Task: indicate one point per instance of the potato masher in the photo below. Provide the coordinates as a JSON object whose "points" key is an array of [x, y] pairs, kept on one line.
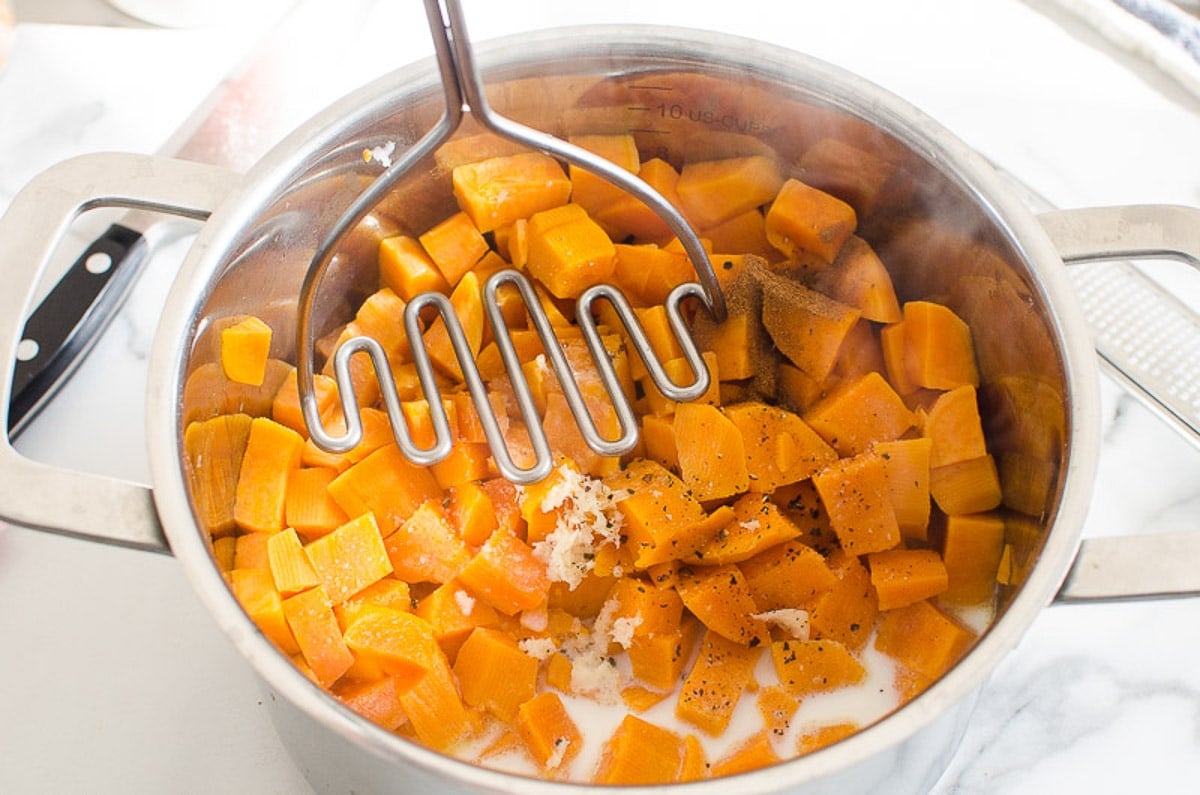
{"points": [[463, 89]]}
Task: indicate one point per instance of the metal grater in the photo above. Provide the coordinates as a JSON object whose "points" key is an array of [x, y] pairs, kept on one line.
{"points": [[1145, 336]]}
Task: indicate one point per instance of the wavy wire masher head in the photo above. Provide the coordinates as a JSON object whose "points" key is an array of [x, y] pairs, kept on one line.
{"points": [[463, 89]]}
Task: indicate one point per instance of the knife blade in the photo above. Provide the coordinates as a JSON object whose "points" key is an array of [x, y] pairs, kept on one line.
{"points": [[298, 67]]}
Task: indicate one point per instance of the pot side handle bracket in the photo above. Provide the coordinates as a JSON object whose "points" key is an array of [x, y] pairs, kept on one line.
{"points": [[1145, 337], [33, 494]]}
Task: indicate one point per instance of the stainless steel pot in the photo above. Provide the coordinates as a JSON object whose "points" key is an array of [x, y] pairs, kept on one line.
{"points": [[947, 223]]}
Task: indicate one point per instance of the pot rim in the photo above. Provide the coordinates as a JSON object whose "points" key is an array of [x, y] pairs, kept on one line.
{"points": [[847, 92]]}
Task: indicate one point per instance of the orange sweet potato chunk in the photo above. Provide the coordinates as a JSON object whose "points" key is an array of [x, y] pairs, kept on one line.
{"points": [[718, 678], [756, 524], [454, 245], [309, 509], [215, 448], [938, 349], [568, 251], [433, 706], [906, 462], [720, 597], [290, 567], [377, 700], [847, 611], [805, 667], [786, 575], [971, 486], [808, 327], [407, 270], [756, 752], [310, 616], [397, 642], [971, 545], [494, 674], [713, 191], [256, 593], [272, 452], [712, 455], [387, 484], [550, 734], [954, 427], [904, 576], [855, 494], [503, 190], [425, 548], [245, 347], [859, 278], [922, 638], [803, 219], [507, 575], [859, 413], [640, 752], [591, 191], [781, 448], [350, 558]]}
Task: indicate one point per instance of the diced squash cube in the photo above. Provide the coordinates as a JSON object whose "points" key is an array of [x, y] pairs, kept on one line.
{"points": [[971, 486], [494, 674], [387, 484], [972, 545], [290, 568], [407, 269], [822, 736], [847, 611], [310, 616], [503, 190], [720, 598], [787, 575], [806, 667], [454, 245], [506, 574], [593, 192], [712, 455], [453, 613], [550, 734], [803, 219], [350, 558], [906, 462], [639, 752], [720, 675], [656, 508], [922, 638], [754, 753], [781, 448], [712, 191], [629, 217], [467, 303], [377, 700], [434, 708], [214, 449], [568, 251], [399, 643], [756, 525], [425, 548], [859, 413], [938, 350], [256, 593], [309, 508], [954, 427], [808, 327], [904, 576], [245, 347], [859, 278], [856, 495], [272, 452]]}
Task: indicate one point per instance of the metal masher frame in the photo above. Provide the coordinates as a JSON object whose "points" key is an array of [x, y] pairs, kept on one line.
{"points": [[463, 89]]}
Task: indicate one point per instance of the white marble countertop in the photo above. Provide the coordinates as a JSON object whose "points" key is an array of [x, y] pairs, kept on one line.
{"points": [[114, 679]]}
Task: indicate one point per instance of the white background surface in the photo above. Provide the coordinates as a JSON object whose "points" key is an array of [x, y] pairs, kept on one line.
{"points": [[114, 679]]}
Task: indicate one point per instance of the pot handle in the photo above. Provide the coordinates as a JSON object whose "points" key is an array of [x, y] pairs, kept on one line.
{"points": [[33, 494], [1142, 335]]}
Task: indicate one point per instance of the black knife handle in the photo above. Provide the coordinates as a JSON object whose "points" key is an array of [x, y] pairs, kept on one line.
{"points": [[69, 320]]}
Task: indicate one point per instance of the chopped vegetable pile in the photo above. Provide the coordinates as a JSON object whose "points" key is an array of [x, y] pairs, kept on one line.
{"points": [[819, 522]]}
